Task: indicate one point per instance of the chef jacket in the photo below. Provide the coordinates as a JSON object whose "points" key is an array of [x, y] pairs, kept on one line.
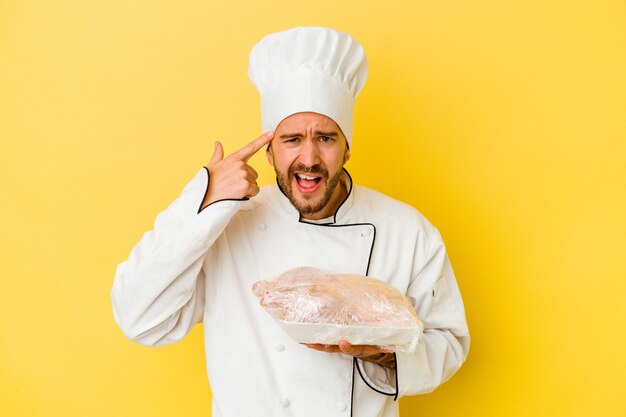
{"points": [[199, 265]]}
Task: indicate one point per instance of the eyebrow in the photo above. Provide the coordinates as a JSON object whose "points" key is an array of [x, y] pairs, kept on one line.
{"points": [[317, 133]]}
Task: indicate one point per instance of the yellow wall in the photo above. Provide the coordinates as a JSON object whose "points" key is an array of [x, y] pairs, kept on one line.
{"points": [[503, 122]]}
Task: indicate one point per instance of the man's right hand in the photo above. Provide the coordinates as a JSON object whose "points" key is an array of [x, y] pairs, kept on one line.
{"points": [[232, 177]]}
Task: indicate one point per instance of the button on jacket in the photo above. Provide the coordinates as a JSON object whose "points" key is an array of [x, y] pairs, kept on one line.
{"points": [[199, 266]]}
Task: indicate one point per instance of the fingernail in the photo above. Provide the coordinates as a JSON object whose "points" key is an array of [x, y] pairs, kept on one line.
{"points": [[269, 134]]}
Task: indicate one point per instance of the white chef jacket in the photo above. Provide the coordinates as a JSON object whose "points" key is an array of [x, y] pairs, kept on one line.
{"points": [[200, 266]]}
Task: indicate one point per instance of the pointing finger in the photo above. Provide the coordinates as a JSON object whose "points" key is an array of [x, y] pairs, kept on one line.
{"points": [[253, 147]]}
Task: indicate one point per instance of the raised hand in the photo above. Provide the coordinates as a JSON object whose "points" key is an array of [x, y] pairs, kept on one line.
{"points": [[232, 177]]}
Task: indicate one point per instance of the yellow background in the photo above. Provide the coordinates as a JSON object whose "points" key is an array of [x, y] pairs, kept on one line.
{"points": [[503, 122]]}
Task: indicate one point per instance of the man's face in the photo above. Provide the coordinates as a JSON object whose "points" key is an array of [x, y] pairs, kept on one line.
{"points": [[308, 153]]}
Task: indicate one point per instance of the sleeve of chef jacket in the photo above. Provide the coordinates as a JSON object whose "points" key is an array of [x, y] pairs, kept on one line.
{"points": [[444, 344], [158, 293]]}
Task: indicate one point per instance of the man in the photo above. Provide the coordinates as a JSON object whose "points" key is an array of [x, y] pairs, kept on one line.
{"points": [[223, 233]]}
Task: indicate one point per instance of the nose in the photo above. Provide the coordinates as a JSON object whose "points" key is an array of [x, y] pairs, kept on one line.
{"points": [[309, 154]]}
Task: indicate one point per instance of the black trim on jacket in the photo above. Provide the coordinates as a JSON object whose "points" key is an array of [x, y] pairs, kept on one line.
{"points": [[200, 208], [354, 359], [300, 220]]}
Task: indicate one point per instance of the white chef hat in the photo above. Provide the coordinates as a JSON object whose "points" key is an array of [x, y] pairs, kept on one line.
{"points": [[308, 69]]}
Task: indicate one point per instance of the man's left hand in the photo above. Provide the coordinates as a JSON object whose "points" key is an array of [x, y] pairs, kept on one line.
{"points": [[375, 354]]}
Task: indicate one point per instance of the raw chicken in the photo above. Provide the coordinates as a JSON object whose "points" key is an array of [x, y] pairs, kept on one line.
{"points": [[314, 306]]}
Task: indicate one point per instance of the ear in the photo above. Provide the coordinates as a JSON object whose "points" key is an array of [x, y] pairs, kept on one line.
{"points": [[269, 154], [346, 156]]}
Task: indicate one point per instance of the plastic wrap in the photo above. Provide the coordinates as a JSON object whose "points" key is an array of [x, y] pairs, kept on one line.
{"points": [[314, 306]]}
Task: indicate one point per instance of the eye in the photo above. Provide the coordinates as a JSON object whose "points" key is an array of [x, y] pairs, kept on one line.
{"points": [[292, 140], [325, 139]]}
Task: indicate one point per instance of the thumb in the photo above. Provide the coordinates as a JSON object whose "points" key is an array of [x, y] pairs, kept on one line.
{"points": [[218, 154]]}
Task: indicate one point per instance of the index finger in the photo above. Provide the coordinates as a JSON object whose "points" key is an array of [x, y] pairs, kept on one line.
{"points": [[253, 147]]}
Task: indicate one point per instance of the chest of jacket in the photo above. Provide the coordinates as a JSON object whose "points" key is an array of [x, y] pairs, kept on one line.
{"points": [[259, 358]]}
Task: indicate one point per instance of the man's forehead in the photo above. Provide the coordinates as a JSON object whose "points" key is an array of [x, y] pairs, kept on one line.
{"points": [[306, 121]]}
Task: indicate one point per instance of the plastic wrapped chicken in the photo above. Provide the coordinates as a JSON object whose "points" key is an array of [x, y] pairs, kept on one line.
{"points": [[314, 306]]}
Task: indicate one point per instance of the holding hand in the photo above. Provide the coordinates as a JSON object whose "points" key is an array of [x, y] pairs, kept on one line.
{"points": [[232, 177], [383, 357]]}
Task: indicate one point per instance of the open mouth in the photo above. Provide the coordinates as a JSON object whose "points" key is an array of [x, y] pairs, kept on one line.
{"points": [[307, 183]]}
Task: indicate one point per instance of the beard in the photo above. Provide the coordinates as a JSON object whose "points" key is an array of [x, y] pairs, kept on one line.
{"points": [[308, 208]]}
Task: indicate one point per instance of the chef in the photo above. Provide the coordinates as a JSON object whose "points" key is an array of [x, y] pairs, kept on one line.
{"points": [[224, 233]]}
